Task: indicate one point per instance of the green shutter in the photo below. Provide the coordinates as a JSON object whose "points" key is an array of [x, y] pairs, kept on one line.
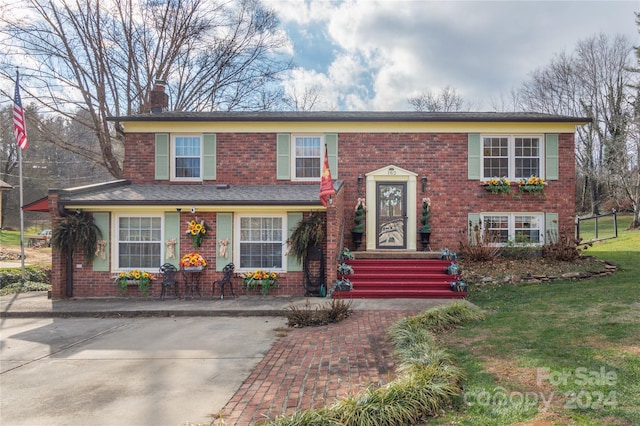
{"points": [[101, 219], [224, 230], [473, 219], [551, 228], [283, 152], [209, 156], [171, 231], [551, 156], [292, 220], [331, 141], [162, 156], [474, 156]]}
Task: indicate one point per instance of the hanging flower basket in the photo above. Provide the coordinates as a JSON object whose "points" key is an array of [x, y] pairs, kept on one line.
{"points": [[197, 230]]}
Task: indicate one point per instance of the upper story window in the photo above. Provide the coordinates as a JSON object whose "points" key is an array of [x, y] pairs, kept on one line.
{"points": [[514, 157], [187, 157], [307, 157]]}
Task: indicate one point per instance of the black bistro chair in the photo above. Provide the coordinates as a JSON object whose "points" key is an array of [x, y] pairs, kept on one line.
{"points": [[169, 278], [227, 279]]}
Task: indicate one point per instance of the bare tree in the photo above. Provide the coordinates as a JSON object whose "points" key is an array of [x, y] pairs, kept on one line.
{"points": [[447, 100], [304, 101], [102, 58], [592, 81]]}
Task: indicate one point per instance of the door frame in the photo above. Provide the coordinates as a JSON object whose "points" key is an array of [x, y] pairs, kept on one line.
{"points": [[391, 174]]}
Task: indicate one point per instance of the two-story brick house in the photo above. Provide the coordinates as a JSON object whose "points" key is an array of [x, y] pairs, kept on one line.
{"points": [[251, 176]]}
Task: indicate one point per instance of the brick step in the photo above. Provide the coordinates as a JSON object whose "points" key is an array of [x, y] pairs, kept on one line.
{"points": [[442, 285], [399, 294], [407, 263], [400, 278], [391, 276]]}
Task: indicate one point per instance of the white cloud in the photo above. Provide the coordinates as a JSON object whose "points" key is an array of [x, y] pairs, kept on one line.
{"points": [[379, 53]]}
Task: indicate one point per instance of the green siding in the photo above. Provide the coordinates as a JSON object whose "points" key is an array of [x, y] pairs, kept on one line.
{"points": [[331, 141], [162, 156], [472, 220], [171, 231], [551, 157], [209, 156], [283, 153], [293, 264], [551, 227], [474, 156], [224, 230], [101, 219]]}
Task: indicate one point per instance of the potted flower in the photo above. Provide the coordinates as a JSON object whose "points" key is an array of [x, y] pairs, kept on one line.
{"points": [[193, 262], [197, 230], [358, 229], [264, 279], [533, 185], [498, 186], [342, 283], [141, 278], [425, 229]]}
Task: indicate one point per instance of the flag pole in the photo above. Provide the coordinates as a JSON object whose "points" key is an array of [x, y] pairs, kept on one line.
{"points": [[21, 214]]}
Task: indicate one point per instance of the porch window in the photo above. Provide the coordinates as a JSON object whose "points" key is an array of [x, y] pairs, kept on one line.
{"points": [[187, 157], [513, 157], [307, 154], [262, 239], [139, 242], [515, 228]]}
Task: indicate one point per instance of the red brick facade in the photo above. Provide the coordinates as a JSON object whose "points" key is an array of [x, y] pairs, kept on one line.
{"points": [[250, 158]]}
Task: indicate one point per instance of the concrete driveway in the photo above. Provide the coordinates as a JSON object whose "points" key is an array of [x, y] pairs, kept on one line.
{"points": [[126, 371]]}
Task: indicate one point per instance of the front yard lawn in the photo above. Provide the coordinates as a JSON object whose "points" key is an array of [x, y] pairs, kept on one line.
{"points": [[560, 352]]}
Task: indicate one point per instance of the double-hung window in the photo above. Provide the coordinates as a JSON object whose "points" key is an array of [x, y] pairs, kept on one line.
{"points": [[307, 158], [519, 228], [262, 238], [187, 157], [139, 242], [513, 157]]}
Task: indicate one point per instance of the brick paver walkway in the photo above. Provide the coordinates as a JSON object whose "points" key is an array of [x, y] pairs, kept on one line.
{"points": [[315, 366]]}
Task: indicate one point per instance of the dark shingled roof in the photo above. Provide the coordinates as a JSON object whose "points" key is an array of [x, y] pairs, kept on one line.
{"points": [[358, 116], [123, 192]]}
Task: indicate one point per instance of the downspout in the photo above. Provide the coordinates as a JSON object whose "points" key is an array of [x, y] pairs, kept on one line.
{"points": [[68, 261]]}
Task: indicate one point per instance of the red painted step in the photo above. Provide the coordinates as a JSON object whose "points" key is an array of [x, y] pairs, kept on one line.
{"points": [[400, 278]]}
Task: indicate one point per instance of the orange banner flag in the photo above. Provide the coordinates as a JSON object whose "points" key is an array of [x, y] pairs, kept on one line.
{"points": [[326, 183]]}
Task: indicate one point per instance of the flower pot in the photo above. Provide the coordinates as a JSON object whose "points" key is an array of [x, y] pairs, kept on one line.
{"points": [[357, 239], [425, 237], [193, 268], [314, 252]]}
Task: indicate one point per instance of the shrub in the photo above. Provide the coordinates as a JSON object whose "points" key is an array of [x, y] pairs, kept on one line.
{"points": [[563, 246], [478, 244], [31, 273], [334, 311]]}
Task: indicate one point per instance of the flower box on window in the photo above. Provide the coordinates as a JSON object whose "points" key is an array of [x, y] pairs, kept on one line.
{"points": [[498, 186]]}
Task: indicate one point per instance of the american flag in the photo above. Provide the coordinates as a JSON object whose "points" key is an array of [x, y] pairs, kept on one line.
{"points": [[19, 128]]}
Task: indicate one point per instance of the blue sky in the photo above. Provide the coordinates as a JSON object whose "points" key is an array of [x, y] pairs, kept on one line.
{"points": [[373, 55]]}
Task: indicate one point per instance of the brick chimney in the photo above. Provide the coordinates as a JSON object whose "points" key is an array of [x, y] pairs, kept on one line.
{"points": [[158, 99]]}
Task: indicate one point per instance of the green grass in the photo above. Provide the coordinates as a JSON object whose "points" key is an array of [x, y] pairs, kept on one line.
{"points": [[572, 345], [606, 228], [10, 238]]}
